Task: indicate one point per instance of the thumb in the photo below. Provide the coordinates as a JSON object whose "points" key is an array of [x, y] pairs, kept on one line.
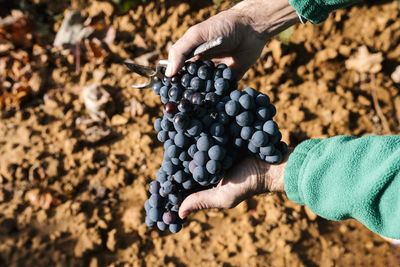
{"points": [[206, 199], [177, 54]]}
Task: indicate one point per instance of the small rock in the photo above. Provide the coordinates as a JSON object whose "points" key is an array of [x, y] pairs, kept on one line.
{"points": [[117, 120], [111, 240], [311, 215], [396, 75]]}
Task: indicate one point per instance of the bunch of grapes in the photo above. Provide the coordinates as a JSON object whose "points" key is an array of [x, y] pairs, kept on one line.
{"points": [[206, 125]]}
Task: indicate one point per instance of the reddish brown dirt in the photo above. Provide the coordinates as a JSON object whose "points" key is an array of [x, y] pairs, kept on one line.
{"points": [[97, 191]]}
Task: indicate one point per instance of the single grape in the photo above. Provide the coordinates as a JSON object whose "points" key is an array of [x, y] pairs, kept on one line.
{"points": [[246, 132], [179, 176], [169, 217], [168, 143], [175, 199], [174, 93], [197, 84], [168, 187], [232, 108], [216, 152], [263, 114], [162, 136], [181, 121], [188, 184], [157, 124], [164, 100], [247, 102], [166, 125], [187, 94], [270, 127], [200, 157], [181, 140], [259, 138], [276, 138], [235, 95], [239, 142], [262, 100], [175, 228], [170, 109], [184, 105], [175, 79], [250, 91], [200, 174], [244, 119], [196, 98], [154, 214], [204, 143], [164, 91], [228, 74], [221, 86], [282, 146], [185, 80], [154, 187], [192, 68], [156, 87], [162, 226], [217, 74], [213, 166], [209, 63], [204, 72]]}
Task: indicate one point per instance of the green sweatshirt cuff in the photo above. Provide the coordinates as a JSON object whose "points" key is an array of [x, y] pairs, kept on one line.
{"points": [[293, 170], [316, 11]]}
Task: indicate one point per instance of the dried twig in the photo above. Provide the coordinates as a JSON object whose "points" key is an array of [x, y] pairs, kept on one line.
{"points": [[378, 108]]}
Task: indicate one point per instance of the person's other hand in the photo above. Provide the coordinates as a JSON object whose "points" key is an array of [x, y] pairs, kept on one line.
{"points": [[246, 28], [248, 178]]}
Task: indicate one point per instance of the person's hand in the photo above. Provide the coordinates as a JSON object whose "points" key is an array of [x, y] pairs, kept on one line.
{"points": [[250, 177], [246, 28]]}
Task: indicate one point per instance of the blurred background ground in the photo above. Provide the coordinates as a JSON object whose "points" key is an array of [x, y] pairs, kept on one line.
{"points": [[72, 190]]}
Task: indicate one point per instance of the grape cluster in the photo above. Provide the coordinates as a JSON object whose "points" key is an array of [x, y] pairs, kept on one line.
{"points": [[206, 125]]}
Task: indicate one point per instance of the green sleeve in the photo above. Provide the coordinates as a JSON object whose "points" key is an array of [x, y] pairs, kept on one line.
{"points": [[316, 11], [347, 177]]}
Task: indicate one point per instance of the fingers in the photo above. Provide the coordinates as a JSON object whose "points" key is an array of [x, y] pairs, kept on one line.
{"points": [[177, 54], [206, 199]]}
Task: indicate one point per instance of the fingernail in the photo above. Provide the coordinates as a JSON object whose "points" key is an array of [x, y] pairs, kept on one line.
{"points": [[184, 214], [168, 71]]}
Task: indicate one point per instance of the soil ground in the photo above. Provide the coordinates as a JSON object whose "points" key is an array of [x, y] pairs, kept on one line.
{"points": [[66, 200]]}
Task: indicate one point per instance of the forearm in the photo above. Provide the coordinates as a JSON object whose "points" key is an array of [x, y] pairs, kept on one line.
{"points": [[346, 177], [267, 17]]}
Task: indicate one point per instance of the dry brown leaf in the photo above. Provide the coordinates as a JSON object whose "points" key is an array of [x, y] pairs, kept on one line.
{"points": [[365, 62], [95, 51], [17, 28]]}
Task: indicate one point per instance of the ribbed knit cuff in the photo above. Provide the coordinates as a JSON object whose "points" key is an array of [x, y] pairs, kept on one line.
{"points": [[311, 10], [293, 170]]}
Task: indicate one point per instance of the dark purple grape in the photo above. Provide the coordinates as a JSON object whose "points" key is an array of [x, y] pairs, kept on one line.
{"points": [[169, 217], [175, 93], [196, 98], [192, 68], [170, 109], [175, 79], [204, 72], [187, 94], [181, 121], [185, 80], [184, 105]]}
